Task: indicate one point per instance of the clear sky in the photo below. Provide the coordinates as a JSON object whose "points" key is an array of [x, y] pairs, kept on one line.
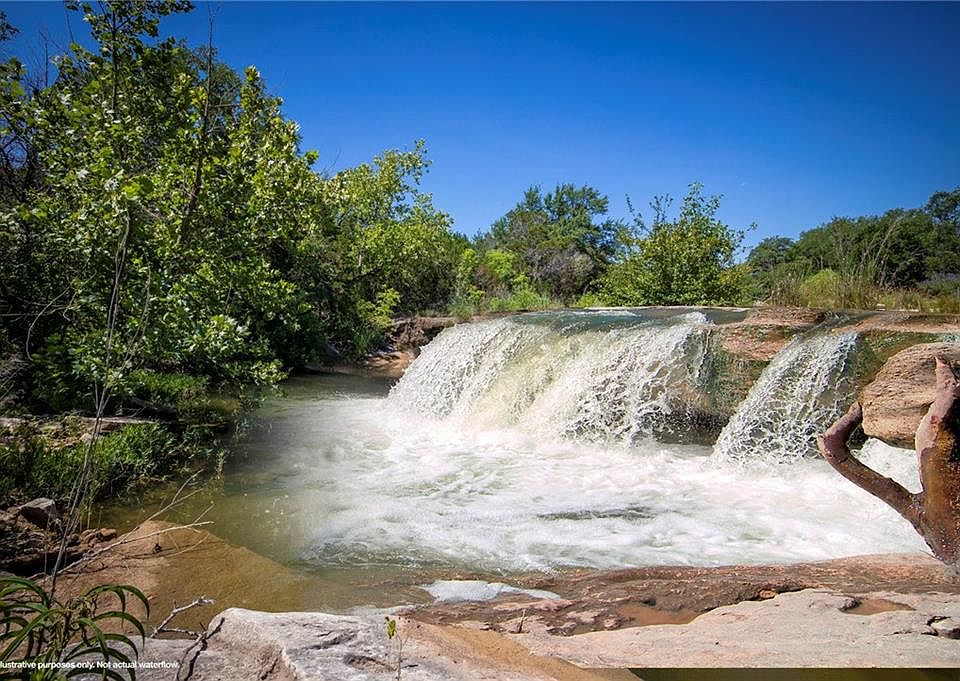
{"points": [[794, 112]]}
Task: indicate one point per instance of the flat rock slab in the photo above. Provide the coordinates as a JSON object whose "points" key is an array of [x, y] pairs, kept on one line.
{"points": [[810, 628], [246, 645]]}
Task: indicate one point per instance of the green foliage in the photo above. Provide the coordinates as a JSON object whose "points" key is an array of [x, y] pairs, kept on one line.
{"points": [[128, 456], [40, 632], [37, 461], [590, 299], [522, 300], [385, 235], [895, 259], [822, 289], [29, 464], [687, 261], [391, 625], [556, 240], [154, 188]]}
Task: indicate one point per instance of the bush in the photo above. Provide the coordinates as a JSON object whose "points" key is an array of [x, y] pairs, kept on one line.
{"points": [[166, 390], [590, 300], [521, 300], [35, 462], [686, 261], [462, 308], [822, 289]]}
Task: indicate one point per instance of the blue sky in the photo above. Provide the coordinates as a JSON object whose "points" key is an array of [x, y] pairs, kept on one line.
{"points": [[794, 112]]}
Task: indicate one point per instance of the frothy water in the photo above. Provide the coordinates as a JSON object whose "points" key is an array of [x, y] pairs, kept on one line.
{"points": [[799, 394], [620, 383], [367, 484]]}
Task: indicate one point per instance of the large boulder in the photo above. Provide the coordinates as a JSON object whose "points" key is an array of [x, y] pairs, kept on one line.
{"points": [[900, 394]]}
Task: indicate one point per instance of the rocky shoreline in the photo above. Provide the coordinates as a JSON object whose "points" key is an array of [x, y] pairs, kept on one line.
{"points": [[899, 610]]}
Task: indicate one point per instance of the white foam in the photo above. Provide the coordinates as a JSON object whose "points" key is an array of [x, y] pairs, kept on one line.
{"points": [[380, 487], [452, 590], [798, 395], [516, 445]]}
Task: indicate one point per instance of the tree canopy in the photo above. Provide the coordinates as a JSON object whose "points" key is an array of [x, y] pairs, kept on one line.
{"points": [[689, 260], [900, 249], [557, 241], [157, 204]]}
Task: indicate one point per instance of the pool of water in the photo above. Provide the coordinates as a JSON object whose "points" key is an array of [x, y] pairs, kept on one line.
{"points": [[337, 479]]}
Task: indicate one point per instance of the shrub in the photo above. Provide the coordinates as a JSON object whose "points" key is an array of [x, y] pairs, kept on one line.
{"points": [[520, 300], [38, 630]]}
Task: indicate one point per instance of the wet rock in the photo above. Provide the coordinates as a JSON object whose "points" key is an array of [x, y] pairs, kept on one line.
{"points": [[42, 512], [766, 331], [900, 394], [412, 333], [391, 364], [677, 594]]}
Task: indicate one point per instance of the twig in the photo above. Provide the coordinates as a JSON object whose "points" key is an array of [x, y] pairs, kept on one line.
{"points": [[162, 627], [523, 618], [201, 641], [128, 539]]}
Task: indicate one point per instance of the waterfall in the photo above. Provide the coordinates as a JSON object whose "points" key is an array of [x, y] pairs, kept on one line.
{"points": [[798, 395], [460, 365], [625, 384], [621, 382], [561, 439], [632, 377]]}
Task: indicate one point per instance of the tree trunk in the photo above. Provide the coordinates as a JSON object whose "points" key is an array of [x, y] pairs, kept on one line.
{"points": [[934, 511]]}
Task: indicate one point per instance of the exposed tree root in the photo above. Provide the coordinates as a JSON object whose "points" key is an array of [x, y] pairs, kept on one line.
{"points": [[934, 511]]}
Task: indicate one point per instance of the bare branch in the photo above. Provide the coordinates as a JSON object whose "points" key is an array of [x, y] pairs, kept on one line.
{"points": [[162, 627], [129, 539], [833, 446]]}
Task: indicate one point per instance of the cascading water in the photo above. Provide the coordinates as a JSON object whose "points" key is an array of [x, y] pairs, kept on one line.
{"points": [[552, 440], [616, 384], [799, 394]]}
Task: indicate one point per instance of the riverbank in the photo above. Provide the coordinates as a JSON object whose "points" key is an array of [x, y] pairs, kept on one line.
{"points": [[896, 610]]}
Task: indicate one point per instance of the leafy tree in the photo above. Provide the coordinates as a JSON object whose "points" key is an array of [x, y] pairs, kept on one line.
{"points": [[380, 234], [556, 240], [172, 205], [686, 261], [769, 253], [944, 207]]}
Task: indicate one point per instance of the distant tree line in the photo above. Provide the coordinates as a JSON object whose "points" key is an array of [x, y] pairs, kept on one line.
{"points": [[904, 258]]}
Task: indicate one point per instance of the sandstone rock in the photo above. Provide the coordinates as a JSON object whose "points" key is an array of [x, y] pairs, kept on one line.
{"points": [[900, 394], [249, 645], [42, 512], [635, 597], [765, 331], [809, 628]]}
